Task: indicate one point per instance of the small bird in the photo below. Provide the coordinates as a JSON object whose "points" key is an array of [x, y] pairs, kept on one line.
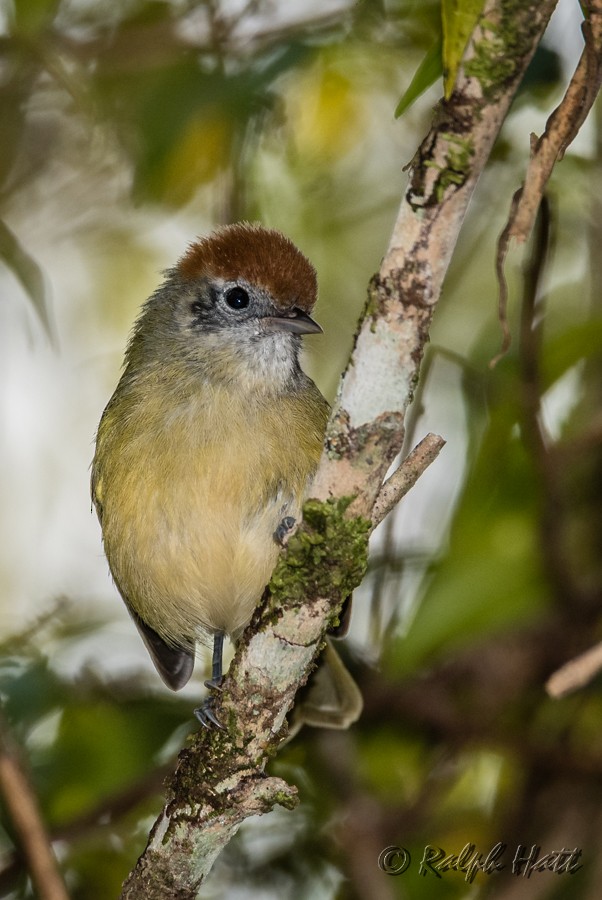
{"points": [[207, 448]]}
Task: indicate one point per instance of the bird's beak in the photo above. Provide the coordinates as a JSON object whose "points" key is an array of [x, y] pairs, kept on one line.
{"points": [[296, 321]]}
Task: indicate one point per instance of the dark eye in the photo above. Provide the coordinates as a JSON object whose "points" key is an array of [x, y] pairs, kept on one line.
{"points": [[237, 298]]}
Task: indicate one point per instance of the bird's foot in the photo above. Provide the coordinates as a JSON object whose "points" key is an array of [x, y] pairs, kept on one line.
{"points": [[284, 530], [204, 712]]}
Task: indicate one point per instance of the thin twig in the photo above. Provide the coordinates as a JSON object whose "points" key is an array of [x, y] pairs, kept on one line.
{"points": [[561, 128], [24, 812], [553, 515], [103, 815], [576, 673], [503, 246], [563, 125], [405, 477]]}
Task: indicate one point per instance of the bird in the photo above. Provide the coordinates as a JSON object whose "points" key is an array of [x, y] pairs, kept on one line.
{"points": [[207, 448]]}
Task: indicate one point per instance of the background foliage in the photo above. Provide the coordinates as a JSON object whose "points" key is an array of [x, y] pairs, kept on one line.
{"points": [[129, 128]]}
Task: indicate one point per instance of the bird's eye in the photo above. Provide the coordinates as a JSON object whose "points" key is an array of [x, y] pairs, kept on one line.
{"points": [[237, 298]]}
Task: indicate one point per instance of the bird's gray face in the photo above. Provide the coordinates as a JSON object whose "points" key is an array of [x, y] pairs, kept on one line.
{"points": [[244, 311], [236, 328]]}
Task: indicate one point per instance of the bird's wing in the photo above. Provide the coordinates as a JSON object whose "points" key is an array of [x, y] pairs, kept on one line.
{"points": [[174, 664]]}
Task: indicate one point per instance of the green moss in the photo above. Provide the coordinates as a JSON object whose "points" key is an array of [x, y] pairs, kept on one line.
{"points": [[287, 800], [373, 304], [499, 55], [327, 557], [459, 154], [457, 164]]}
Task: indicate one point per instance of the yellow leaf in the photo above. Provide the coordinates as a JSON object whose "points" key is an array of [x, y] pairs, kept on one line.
{"points": [[325, 114]]}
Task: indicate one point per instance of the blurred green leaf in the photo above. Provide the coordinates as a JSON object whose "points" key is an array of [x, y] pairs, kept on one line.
{"points": [[572, 345], [28, 272], [30, 691], [429, 70], [184, 122], [542, 76], [98, 869], [19, 74], [32, 15], [393, 765], [99, 748]]}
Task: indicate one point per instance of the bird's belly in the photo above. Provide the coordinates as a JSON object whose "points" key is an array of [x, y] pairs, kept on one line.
{"points": [[192, 560]]}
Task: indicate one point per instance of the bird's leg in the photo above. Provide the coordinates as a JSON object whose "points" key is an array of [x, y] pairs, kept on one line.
{"points": [[283, 532], [205, 713], [216, 665]]}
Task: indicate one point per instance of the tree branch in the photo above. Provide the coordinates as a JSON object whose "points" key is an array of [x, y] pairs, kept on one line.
{"points": [[24, 812], [561, 129], [220, 779], [366, 427]]}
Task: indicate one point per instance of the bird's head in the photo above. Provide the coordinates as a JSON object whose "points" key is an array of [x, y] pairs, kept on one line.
{"points": [[238, 299]]}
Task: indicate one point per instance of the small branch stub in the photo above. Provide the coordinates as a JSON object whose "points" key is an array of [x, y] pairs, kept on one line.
{"points": [[576, 674], [405, 477]]}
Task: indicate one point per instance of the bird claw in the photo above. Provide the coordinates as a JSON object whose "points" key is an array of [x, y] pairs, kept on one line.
{"points": [[204, 713], [284, 530], [206, 716]]}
